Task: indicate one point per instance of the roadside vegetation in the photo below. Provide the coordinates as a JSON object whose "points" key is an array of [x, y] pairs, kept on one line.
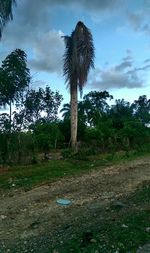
{"points": [[38, 147], [35, 149], [25, 177], [122, 227], [32, 130]]}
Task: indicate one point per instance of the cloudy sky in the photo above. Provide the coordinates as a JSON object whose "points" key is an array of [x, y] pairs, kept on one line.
{"points": [[121, 33]]}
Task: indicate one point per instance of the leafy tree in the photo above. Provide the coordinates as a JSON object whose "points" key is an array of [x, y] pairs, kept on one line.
{"points": [[4, 123], [133, 134], [95, 106], [40, 102], [47, 135], [78, 59], [5, 13], [15, 78], [121, 112], [142, 109], [19, 121], [51, 101], [2, 99], [34, 105]]}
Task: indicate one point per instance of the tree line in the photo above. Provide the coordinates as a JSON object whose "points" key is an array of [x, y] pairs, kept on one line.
{"points": [[78, 60], [32, 125]]}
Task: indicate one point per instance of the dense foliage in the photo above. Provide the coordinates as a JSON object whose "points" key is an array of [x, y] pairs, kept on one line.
{"points": [[32, 128]]}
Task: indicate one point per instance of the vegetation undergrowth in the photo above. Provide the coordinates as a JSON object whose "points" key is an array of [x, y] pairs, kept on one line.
{"points": [[28, 176], [121, 228]]}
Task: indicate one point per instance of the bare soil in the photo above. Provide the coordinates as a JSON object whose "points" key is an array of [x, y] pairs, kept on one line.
{"points": [[35, 215]]}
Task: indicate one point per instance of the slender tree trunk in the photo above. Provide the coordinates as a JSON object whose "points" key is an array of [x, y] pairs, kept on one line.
{"points": [[19, 146], [74, 116], [55, 143], [10, 112]]}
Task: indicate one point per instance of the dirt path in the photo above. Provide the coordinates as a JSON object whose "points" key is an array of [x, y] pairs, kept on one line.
{"points": [[35, 213]]}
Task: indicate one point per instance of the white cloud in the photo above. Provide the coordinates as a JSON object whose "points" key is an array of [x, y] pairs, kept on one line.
{"points": [[112, 78], [32, 31], [123, 75], [48, 52]]}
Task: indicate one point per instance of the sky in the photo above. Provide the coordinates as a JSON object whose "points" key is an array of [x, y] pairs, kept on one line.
{"points": [[121, 34]]}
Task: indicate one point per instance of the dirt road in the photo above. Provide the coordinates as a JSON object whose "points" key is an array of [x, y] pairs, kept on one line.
{"points": [[36, 215]]}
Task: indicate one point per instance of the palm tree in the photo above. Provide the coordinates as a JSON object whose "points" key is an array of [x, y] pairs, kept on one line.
{"points": [[78, 59], [65, 111], [5, 12]]}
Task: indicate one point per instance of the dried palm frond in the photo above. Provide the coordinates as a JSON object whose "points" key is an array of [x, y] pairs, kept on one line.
{"points": [[79, 56], [5, 12]]}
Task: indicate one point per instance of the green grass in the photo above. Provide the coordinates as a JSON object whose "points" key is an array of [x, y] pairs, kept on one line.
{"points": [[32, 175], [29, 176], [109, 234], [121, 230]]}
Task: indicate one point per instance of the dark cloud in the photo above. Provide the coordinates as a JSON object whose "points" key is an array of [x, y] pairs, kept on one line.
{"points": [[36, 14], [123, 75], [135, 21], [111, 78], [123, 65], [129, 52], [95, 5], [32, 29], [145, 67], [147, 60], [44, 52], [48, 53], [127, 58], [140, 19]]}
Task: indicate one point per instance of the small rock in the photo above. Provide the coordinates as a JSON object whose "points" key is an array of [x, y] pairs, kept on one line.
{"points": [[118, 204], [96, 205], [147, 229], [93, 240], [3, 217], [96, 251], [124, 226]]}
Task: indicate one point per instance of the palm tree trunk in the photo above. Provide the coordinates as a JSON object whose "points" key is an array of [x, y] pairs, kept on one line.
{"points": [[10, 112], [74, 116]]}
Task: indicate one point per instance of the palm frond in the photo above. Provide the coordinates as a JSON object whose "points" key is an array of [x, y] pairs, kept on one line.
{"points": [[66, 107], [79, 56], [65, 111], [5, 12]]}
